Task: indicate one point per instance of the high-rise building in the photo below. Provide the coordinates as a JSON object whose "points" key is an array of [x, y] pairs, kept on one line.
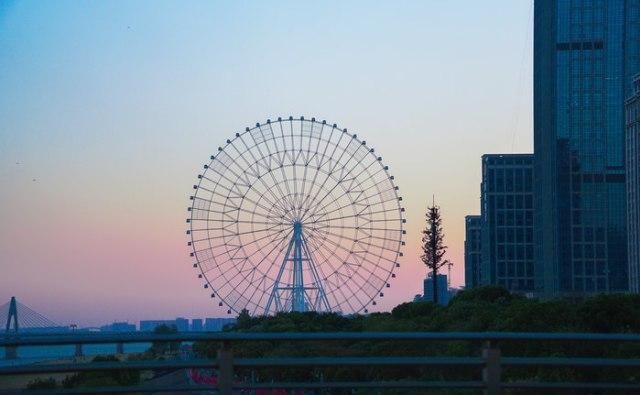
{"points": [[472, 251], [443, 289], [585, 54], [633, 185], [507, 221]]}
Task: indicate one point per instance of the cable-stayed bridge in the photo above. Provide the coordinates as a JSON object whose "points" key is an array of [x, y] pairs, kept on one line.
{"points": [[22, 318]]}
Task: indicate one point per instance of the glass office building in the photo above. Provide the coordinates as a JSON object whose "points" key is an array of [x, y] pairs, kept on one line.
{"points": [[443, 289], [633, 185], [507, 221], [472, 251], [585, 54]]}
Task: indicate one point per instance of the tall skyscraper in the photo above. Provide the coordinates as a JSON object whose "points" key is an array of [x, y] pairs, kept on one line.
{"points": [[633, 185], [472, 251], [507, 221], [585, 54]]}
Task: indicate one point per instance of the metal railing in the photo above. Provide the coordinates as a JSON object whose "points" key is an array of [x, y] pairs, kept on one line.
{"points": [[490, 363]]}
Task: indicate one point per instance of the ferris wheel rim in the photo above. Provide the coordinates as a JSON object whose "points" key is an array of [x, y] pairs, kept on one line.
{"points": [[401, 220]]}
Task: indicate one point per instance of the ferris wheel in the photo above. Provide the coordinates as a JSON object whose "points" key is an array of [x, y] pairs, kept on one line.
{"points": [[296, 215]]}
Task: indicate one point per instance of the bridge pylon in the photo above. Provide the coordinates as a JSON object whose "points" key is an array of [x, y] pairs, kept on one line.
{"points": [[13, 315], [11, 352]]}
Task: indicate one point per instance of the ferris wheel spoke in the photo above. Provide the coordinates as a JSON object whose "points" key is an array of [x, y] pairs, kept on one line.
{"points": [[237, 194], [360, 266], [318, 206], [285, 156], [330, 171], [268, 188], [321, 159], [329, 233], [336, 287], [339, 182], [224, 176], [327, 158], [376, 202], [240, 272], [233, 234], [283, 244], [282, 196], [360, 214], [302, 192], [383, 203], [254, 241], [345, 169], [233, 222], [363, 228], [227, 213]]}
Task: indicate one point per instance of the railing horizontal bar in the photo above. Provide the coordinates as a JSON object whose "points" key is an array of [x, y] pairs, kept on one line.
{"points": [[359, 361], [362, 384], [104, 366], [284, 385], [149, 337], [572, 385], [242, 362], [334, 385], [116, 390], [570, 362]]}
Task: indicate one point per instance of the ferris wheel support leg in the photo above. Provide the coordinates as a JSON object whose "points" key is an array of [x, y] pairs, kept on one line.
{"points": [[298, 291], [321, 299], [275, 296]]}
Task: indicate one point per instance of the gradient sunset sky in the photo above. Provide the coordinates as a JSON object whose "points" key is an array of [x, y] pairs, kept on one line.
{"points": [[108, 110]]}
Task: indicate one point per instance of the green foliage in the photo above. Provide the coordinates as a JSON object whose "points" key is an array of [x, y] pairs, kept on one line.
{"points": [[611, 313], [489, 293], [482, 309], [121, 377], [160, 348], [414, 310], [42, 384]]}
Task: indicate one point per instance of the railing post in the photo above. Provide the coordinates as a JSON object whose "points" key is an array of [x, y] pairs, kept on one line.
{"points": [[225, 370], [491, 374]]}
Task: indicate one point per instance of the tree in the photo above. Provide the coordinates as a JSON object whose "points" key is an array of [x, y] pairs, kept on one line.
{"points": [[161, 347], [433, 248]]}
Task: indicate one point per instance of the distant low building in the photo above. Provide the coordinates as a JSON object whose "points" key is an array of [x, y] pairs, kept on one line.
{"points": [[45, 329], [196, 325], [118, 327], [151, 325], [217, 324], [443, 289], [182, 324]]}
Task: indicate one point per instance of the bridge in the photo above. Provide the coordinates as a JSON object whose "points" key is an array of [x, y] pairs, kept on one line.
{"points": [[489, 363], [21, 317]]}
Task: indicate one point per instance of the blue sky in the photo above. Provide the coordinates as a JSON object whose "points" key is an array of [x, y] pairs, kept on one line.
{"points": [[113, 107]]}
